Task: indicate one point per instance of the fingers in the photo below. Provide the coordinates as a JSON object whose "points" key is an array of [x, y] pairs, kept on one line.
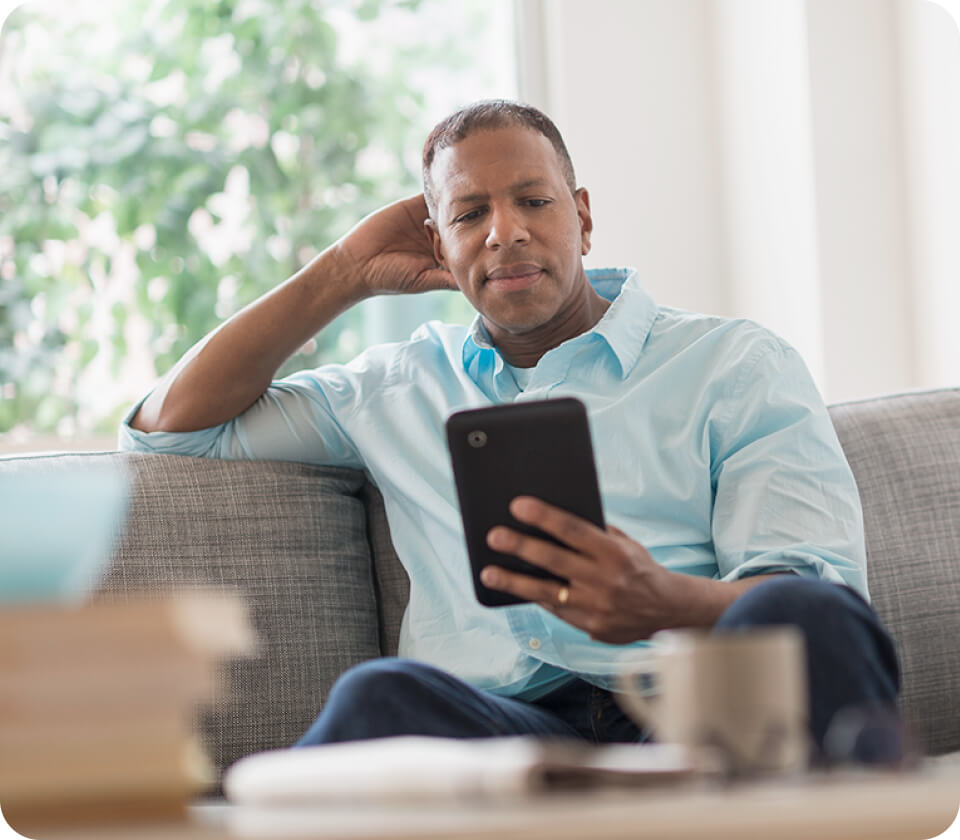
{"points": [[611, 580], [542, 591], [539, 552], [577, 607], [570, 603], [574, 531], [588, 544], [416, 205]]}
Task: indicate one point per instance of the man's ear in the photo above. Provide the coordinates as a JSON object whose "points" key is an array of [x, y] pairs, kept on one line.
{"points": [[430, 226], [582, 199]]}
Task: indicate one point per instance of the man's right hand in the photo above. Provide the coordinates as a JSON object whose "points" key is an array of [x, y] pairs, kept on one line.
{"points": [[226, 372], [389, 252]]}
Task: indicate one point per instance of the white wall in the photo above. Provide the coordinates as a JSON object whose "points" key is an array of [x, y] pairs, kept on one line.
{"points": [[628, 85], [931, 61], [795, 162], [761, 90], [860, 176]]}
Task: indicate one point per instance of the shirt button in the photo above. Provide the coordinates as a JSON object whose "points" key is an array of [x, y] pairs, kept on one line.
{"points": [[534, 644]]}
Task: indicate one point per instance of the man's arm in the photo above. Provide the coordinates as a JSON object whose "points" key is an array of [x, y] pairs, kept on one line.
{"points": [[227, 371], [618, 593]]}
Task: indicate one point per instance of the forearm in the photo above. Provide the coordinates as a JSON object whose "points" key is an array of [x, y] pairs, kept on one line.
{"points": [[227, 371], [699, 601]]}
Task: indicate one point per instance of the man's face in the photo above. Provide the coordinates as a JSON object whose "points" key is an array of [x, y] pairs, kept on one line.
{"points": [[509, 230]]}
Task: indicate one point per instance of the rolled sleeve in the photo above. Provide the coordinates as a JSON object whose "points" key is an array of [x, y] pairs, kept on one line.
{"points": [[202, 443], [785, 497], [299, 418]]}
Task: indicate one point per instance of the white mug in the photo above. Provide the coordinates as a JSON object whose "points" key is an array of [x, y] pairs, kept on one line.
{"points": [[741, 694]]}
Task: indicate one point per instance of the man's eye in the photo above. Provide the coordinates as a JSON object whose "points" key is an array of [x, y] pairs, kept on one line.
{"points": [[538, 202], [469, 217]]}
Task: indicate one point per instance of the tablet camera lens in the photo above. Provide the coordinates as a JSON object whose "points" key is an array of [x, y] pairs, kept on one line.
{"points": [[477, 438]]}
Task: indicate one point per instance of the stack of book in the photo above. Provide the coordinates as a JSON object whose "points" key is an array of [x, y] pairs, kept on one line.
{"points": [[98, 704]]}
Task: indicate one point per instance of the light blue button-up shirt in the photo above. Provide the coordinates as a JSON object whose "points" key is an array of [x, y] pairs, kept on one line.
{"points": [[713, 449]]}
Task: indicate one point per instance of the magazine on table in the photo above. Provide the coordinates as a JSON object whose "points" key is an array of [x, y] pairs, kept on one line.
{"points": [[417, 767]]}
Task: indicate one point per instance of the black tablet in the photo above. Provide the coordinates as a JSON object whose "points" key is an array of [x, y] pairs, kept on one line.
{"points": [[539, 449]]}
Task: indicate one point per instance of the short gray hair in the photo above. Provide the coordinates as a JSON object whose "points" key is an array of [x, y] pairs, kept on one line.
{"points": [[485, 115]]}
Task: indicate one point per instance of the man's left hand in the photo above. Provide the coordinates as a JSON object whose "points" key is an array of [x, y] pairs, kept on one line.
{"points": [[616, 592]]}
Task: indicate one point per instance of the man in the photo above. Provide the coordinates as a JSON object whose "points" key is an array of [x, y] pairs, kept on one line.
{"points": [[730, 502]]}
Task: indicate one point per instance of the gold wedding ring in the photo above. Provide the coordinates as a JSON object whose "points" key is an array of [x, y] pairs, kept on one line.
{"points": [[563, 595]]}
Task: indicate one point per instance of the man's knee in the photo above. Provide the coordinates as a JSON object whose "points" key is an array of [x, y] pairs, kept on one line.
{"points": [[378, 681], [790, 599], [375, 699], [838, 625]]}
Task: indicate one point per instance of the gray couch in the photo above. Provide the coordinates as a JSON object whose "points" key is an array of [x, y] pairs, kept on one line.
{"points": [[310, 548]]}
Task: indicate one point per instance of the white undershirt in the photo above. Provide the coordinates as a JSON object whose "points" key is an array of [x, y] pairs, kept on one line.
{"points": [[521, 375]]}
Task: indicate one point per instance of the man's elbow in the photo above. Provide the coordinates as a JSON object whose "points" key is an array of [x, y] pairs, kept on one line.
{"points": [[145, 420], [155, 415]]}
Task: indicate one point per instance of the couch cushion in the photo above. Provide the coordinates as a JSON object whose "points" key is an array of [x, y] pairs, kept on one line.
{"points": [[391, 579], [292, 538], [905, 454]]}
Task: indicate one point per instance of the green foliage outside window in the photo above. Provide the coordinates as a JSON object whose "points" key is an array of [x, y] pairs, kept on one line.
{"points": [[156, 177]]}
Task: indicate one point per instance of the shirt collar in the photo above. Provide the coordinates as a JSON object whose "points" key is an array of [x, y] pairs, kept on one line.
{"points": [[624, 326]]}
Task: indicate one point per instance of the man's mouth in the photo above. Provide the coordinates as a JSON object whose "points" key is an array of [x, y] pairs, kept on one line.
{"points": [[508, 278]]}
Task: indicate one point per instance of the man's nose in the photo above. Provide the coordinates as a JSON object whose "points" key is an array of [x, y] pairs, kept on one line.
{"points": [[506, 228]]}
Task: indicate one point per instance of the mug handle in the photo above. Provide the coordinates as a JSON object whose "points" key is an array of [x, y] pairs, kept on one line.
{"points": [[631, 701]]}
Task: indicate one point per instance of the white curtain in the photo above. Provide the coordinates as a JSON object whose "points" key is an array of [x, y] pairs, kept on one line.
{"points": [[796, 162]]}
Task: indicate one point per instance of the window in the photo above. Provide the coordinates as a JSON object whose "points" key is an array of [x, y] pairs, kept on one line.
{"points": [[165, 162]]}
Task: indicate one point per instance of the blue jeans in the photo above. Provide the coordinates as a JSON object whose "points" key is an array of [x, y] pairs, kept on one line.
{"points": [[851, 660]]}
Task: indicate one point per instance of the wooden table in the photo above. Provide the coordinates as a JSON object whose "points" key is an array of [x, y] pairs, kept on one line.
{"points": [[844, 806]]}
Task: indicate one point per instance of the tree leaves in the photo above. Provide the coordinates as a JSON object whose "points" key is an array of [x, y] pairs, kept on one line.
{"points": [[142, 111]]}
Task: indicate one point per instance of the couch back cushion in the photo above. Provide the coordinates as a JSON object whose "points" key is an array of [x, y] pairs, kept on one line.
{"points": [[390, 578], [292, 538], [905, 454]]}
